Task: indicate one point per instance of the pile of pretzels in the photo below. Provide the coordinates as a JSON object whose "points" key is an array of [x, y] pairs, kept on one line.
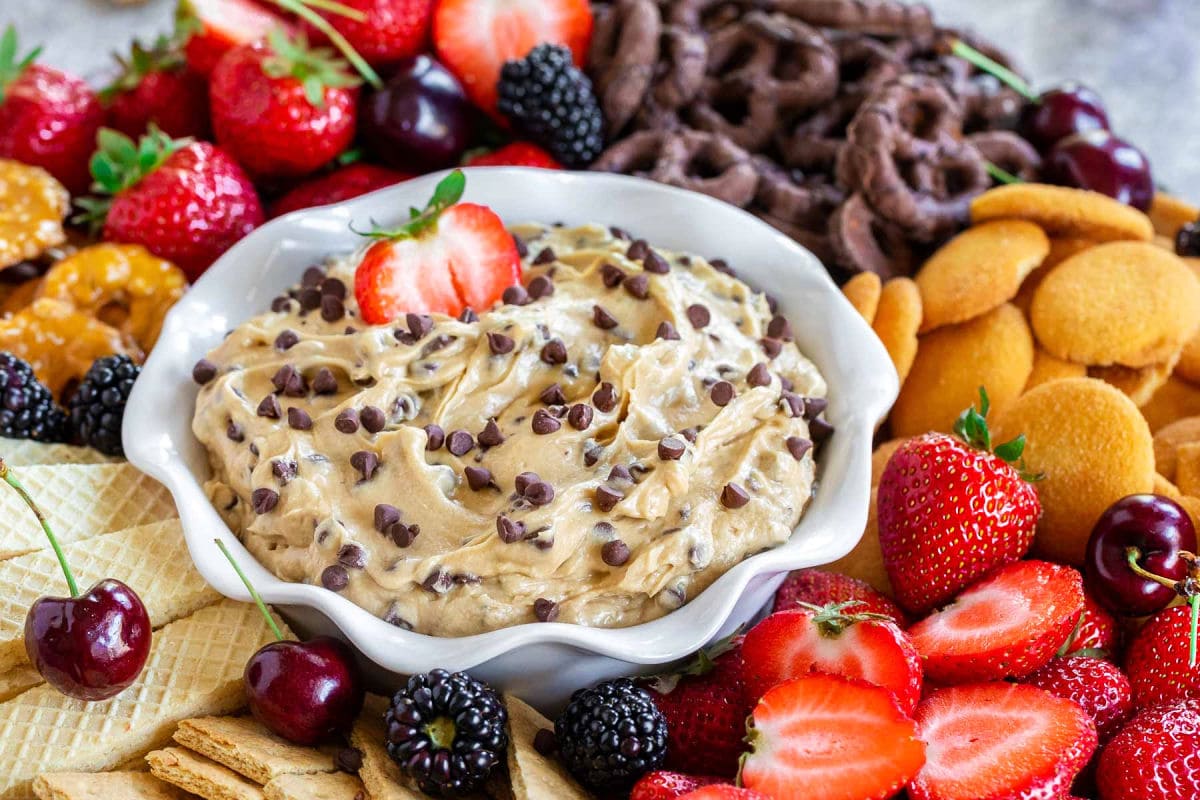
{"points": [[847, 124]]}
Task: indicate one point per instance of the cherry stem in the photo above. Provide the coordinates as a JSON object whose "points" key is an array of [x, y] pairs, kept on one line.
{"points": [[12, 481], [253, 592], [999, 174], [301, 9], [1132, 554], [994, 68]]}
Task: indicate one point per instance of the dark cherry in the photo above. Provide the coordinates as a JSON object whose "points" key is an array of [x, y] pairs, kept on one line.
{"points": [[89, 647], [420, 120], [1062, 112], [1105, 163], [1160, 530], [307, 692]]}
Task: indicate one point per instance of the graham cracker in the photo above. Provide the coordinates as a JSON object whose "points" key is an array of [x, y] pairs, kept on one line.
{"points": [[245, 746], [27, 453], [105, 786], [379, 774], [17, 680], [195, 669], [199, 775], [533, 775], [323, 786], [147, 557], [80, 501]]}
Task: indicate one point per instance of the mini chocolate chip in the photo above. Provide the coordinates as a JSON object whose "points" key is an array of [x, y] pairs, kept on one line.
{"points": [[671, 449], [269, 407], [346, 421], [553, 395], [611, 275], [309, 298], [539, 493], [545, 610], [638, 250], [284, 469], [779, 328], [544, 422], [403, 336], [468, 316], [333, 287], [607, 499], [544, 257], [286, 340], [794, 404], [690, 434], [814, 406], [283, 376], [365, 462], [325, 382], [620, 472], [435, 437], [281, 304], [580, 416], [515, 296], [385, 517], [299, 419], [591, 454], [332, 308], [655, 264], [335, 578], [720, 265], [734, 496], [373, 419], [605, 398], [522, 250], [439, 582], [509, 530], [352, 556], [554, 352], [264, 500], [460, 443], [490, 436], [772, 347], [204, 371], [403, 535], [348, 759], [819, 430], [602, 319], [419, 325], [478, 477], [722, 393], [312, 276], [235, 432], [798, 446], [541, 286], [666, 331], [638, 286], [758, 375], [786, 383], [524, 480], [614, 553], [698, 315], [544, 741], [499, 344]]}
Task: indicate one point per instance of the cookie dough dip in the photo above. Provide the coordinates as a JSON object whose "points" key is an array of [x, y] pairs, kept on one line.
{"points": [[596, 449]]}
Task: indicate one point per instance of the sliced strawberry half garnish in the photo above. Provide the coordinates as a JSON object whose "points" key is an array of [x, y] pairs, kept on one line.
{"points": [[1000, 740], [474, 38], [1006, 625], [213, 27], [833, 739], [836, 641]]}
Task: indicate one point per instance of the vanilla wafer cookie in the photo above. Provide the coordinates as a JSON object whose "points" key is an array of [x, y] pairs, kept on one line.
{"points": [[245, 746], [105, 786], [80, 501], [533, 775], [200, 776], [17, 680], [169, 585], [195, 669], [27, 453], [322, 786]]}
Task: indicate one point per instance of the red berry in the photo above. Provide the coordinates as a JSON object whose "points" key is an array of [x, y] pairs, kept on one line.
{"points": [[1096, 686], [662, 785], [390, 31], [820, 588], [1154, 756], [1101, 162], [1157, 659], [211, 28], [515, 154], [1061, 112], [175, 100], [1097, 630], [341, 184], [725, 791]]}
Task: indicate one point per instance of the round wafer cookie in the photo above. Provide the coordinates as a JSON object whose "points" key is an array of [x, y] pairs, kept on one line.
{"points": [[896, 322], [1175, 400], [1048, 368], [994, 351], [1167, 440], [1061, 248], [1127, 303], [1139, 383], [1188, 367], [977, 270], [1166, 488], [1092, 446], [863, 292], [1061, 211], [1169, 213], [881, 456]]}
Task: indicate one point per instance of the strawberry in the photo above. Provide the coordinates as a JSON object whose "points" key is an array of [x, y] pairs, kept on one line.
{"points": [[185, 202], [826, 737], [515, 154], [1006, 625], [1157, 660], [449, 257], [835, 640], [1097, 632], [1000, 741], [48, 118], [820, 588], [333, 187], [1097, 686], [211, 28], [662, 785], [474, 38], [386, 31], [706, 707], [281, 108], [1154, 756], [951, 510], [725, 791], [156, 86]]}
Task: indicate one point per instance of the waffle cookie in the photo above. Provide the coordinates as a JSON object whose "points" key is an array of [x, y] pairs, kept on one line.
{"points": [[246, 747], [105, 786], [28, 453]]}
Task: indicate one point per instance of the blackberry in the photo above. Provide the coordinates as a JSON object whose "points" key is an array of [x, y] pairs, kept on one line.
{"points": [[27, 408], [551, 101], [611, 735], [446, 731], [1187, 241], [98, 405]]}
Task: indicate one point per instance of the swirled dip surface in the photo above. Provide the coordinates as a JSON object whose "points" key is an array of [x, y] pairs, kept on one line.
{"points": [[657, 404]]}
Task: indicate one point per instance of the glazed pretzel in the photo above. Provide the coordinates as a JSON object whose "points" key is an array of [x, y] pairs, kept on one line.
{"points": [[862, 242], [624, 53], [1008, 151], [877, 17]]}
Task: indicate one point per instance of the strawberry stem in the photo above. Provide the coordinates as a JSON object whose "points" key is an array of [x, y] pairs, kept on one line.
{"points": [[253, 592], [971, 426], [12, 481], [448, 192], [1000, 175], [994, 68]]}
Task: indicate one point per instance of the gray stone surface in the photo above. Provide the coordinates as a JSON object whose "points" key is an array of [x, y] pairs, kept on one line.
{"points": [[1142, 55]]}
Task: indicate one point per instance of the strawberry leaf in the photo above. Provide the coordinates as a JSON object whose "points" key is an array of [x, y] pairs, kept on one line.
{"points": [[448, 192], [119, 164], [164, 55], [11, 66], [316, 68]]}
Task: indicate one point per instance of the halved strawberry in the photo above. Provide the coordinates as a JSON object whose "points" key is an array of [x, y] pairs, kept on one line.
{"points": [[827, 738], [1000, 740], [213, 27], [474, 38], [482, 254], [836, 641], [725, 791], [664, 785], [1006, 625]]}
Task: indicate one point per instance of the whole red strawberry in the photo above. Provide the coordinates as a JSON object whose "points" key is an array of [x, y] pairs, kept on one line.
{"points": [[1154, 756], [951, 510], [156, 86], [515, 154], [185, 202], [1097, 631], [1158, 659], [48, 118], [388, 31], [663, 785], [820, 588], [281, 108], [706, 708], [1097, 686], [334, 187]]}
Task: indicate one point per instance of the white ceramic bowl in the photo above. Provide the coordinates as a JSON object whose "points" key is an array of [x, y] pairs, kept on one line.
{"points": [[542, 662]]}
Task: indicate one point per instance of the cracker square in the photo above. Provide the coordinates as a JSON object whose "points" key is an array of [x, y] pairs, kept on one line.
{"points": [[199, 775], [379, 774], [245, 746], [323, 786], [105, 786], [534, 776]]}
